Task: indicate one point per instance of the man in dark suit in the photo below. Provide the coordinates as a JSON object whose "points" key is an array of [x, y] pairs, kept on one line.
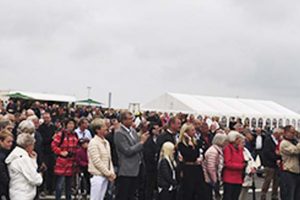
{"points": [[129, 150], [47, 131], [151, 159], [259, 143], [206, 137], [170, 133], [270, 157]]}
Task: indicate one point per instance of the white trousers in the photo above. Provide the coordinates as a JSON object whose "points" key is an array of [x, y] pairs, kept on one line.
{"points": [[98, 187]]}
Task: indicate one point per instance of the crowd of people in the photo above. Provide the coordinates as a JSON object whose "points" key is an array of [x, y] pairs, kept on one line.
{"points": [[143, 156]]}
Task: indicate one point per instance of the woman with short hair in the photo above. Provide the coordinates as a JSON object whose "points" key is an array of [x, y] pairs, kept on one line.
{"points": [[234, 165], [26, 126], [23, 169], [214, 163], [6, 142], [100, 163]]}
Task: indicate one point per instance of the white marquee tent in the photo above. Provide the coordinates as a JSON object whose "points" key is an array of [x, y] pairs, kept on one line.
{"points": [[265, 112]]}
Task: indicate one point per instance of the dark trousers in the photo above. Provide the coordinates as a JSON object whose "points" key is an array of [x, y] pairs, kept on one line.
{"points": [[49, 177], [271, 174], [213, 192], [141, 183], [167, 195], [60, 180], [86, 184], [4, 196], [289, 186], [126, 187], [232, 191], [194, 186], [151, 185]]}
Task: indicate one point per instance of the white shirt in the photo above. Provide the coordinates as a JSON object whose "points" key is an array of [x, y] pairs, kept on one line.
{"points": [[259, 142], [129, 131], [274, 140], [83, 134]]}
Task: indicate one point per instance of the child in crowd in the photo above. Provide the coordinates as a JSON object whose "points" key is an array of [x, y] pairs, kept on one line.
{"points": [[82, 161]]}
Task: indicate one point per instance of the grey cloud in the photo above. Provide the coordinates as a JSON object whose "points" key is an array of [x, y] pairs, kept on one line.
{"points": [[140, 49]]}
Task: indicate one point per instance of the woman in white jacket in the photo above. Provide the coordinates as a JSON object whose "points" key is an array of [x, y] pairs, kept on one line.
{"points": [[23, 170], [250, 170], [100, 162]]}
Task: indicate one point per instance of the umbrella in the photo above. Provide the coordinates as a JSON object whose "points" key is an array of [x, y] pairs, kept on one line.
{"points": [[18, 95], [89, 102]]}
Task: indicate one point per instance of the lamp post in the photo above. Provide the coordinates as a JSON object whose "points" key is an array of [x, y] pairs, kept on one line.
{"points": [[109, 99], [89, 91]]}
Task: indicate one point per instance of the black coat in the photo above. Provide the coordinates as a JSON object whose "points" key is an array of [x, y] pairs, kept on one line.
{"points": [[205, 143], [110, 139], [4, 175], [47, 132], [150, 153], [165, 175], [269, 156], [165, 137], [38, 147]]}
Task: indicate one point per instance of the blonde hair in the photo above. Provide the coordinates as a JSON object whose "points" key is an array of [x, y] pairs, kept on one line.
{"points": [[185, 128], [5, 134], [167, 152], [97, 124]]}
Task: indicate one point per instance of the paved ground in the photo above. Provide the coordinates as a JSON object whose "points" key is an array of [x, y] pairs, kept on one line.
{"points": [[258, 183]]}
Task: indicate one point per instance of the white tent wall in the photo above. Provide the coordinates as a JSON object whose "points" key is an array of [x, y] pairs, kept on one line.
{"points": [[267, 111]]}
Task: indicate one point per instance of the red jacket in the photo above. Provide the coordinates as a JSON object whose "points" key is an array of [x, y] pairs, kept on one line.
{"points": [[65, 166], [234, 164], [280, 165]]}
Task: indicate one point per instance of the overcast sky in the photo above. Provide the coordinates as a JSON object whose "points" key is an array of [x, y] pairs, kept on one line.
{"points": [[140, 49]]}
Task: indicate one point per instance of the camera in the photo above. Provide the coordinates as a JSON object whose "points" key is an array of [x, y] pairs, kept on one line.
{"points": [[70, 154]]}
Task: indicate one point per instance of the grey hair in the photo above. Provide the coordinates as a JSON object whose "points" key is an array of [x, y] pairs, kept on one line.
{"points": [[233, 135], [24, 140], [26, 126], [30, 112], [32, 118], [220, 139], [278, 130], [3, 123]]}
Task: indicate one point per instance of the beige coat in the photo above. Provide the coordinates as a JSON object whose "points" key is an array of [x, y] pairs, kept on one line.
{"points": [[100, 163], [290, 155]]}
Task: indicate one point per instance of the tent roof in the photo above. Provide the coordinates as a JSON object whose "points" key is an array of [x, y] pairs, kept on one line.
{"points": [[18, 95], [89, 101], [174, 102], [45, 96]]}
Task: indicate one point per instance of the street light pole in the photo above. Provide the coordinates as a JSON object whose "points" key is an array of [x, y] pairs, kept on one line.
{"points": [[89, 91], [109, 99]]}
